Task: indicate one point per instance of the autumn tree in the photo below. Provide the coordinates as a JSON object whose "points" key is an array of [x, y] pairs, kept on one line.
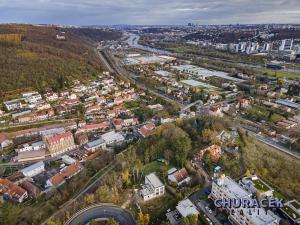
{"points": [[143, 219]]}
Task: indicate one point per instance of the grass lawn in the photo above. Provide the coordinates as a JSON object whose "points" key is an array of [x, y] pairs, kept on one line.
{"points": [[154, 167], [279, 74], [260, 185]]}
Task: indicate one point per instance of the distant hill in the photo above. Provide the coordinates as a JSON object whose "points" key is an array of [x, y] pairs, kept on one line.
{"points": [[33, 57]]}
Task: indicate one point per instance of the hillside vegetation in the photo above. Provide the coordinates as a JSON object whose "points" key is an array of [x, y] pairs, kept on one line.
{"points": [[38, 60]]}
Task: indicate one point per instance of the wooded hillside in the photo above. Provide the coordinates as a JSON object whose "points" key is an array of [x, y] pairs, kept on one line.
{"points": [[40, 60]]}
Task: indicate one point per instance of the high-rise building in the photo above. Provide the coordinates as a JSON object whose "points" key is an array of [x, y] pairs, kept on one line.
{"points": [[286, 45]]}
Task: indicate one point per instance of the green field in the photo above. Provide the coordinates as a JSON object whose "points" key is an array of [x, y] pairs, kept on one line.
{"points": [[278, 74], [154, 167]]}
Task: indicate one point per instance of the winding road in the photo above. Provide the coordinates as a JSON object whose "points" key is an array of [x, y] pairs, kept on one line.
{"points": [[102, 211]]}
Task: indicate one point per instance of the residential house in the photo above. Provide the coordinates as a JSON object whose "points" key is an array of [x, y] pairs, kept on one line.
{"points": [[243, 103], [156, 107], [51, 96], [215, 152], [130, 122], [118, 123], [186, 208], [9, 190], [179, 177], [66, 173], [215, 111], [147, 129], [152, 188]]}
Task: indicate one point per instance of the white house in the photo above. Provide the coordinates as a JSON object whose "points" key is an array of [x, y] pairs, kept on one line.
{"points": [[186, 208], [68, 160], [34, 169], [152, 188]]}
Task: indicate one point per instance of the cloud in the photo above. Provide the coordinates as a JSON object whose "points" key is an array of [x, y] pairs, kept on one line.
{"points": [[87, 12]]}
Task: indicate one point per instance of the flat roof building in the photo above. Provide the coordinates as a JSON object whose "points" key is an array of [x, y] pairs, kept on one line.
{"points": [[34, 169], [152, 188], [226, 188]]}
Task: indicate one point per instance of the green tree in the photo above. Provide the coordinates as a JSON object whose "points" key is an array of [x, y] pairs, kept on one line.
{"points": [[182, 147], [208, 136], [189, 220]]}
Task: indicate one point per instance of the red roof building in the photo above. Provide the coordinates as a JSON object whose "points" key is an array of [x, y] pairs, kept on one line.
{"points": [[68, 172], [60, 143], [12, 190], [95, 126], [147, 130]]}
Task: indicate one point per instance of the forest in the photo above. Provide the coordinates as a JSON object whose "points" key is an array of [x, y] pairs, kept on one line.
{"points": [[31, 57]]}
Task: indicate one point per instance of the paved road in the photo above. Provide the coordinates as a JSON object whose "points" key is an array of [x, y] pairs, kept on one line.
{"points": [[201, 206], [109, 60], [122, 216]]}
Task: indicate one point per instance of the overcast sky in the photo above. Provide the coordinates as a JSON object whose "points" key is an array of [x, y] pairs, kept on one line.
{"points": [[149, 12]]}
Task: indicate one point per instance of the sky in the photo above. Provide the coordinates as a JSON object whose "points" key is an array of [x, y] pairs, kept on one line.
{"points": [[149, 12]]}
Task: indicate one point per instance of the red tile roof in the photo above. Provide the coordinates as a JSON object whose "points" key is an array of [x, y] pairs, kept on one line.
{"points": [[180, 175], [147, 129], [66, 173], [58, 137], [3, 137], [96, 126], [117, 122], [11, 189]]}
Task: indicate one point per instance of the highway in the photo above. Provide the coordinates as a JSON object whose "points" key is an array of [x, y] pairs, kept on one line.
{"points": [[102, 211]]}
